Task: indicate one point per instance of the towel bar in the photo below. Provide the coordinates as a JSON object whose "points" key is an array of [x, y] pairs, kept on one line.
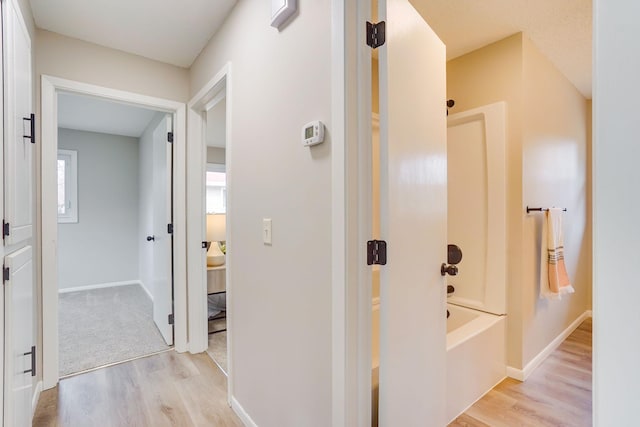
{"points": [[541, 209]]}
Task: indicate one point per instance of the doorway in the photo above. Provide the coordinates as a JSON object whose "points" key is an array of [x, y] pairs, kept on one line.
{"points": [[118, 189], [211, 210], [114, 210]]}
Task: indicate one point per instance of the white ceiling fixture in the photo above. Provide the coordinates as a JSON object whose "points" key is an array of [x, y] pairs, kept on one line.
{"points": [[98, 115], [561, 29], [170, 31]]}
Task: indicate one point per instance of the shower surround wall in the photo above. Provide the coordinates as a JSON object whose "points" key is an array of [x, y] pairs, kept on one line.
{"points": [[547, 120]]}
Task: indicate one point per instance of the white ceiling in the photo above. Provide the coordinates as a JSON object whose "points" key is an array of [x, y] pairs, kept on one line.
{"points": [[561, 29], [98, 115], [171, 31]]}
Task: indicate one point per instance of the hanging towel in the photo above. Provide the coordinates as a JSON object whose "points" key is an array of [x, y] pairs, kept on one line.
{"points": [[554, 280]]}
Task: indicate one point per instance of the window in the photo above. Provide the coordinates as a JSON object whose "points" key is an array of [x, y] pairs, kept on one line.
{"points": [[216, 188], [67, 186]]}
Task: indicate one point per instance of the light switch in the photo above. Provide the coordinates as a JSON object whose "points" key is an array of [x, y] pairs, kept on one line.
{"points": [[266, 231]]}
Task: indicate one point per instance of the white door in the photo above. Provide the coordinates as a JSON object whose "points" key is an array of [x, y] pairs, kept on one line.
{"points": [[162, 272], [20, 354], [413, 134], [19, 171]]}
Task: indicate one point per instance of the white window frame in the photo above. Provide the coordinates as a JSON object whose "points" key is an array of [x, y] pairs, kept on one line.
{"points": [[71, 186]]}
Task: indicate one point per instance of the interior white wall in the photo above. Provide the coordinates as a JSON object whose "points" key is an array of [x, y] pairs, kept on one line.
{"points": [[102, 247], [217, 125], [616, 211], [281, 305], [145, 203]]}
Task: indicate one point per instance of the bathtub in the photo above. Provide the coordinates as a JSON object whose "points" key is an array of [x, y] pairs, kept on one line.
{"points": [[475, 357]]}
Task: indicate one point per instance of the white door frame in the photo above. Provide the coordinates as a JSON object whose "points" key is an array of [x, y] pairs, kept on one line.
{"points": [[51, 86], [351, 214], [212, 92]]}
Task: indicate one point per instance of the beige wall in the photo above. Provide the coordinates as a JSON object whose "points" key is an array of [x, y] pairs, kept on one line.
{"points": [[61, 56], [554, 155], [485, 76], [281, 307], [546, 166], [216, 155]]}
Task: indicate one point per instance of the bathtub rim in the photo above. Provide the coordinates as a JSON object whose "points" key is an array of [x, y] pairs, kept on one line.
{"points": [[475, 327]]}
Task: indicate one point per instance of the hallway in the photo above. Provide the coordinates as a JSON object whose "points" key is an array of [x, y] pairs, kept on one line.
{"points": [[167, 389]]}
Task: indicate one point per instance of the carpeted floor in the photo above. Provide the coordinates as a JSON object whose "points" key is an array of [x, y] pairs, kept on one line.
{"points": [[103, 326]]}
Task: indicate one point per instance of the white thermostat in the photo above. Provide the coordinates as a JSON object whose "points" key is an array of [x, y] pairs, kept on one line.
{"points": [[312, 133]]}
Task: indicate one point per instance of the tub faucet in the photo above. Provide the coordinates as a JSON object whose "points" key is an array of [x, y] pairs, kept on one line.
{"points": [[449, 269], [450, 290]]}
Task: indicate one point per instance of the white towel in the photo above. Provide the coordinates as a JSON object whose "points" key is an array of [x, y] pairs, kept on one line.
{"points": [[554, 280]]}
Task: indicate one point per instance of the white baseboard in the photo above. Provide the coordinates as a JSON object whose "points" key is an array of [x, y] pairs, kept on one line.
{"points": [[36, 397], [523, 374], [242, 414], [144, 287], [101, 285]]}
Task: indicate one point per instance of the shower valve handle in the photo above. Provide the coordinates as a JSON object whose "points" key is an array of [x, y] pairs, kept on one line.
{"points": [[449, 269]]}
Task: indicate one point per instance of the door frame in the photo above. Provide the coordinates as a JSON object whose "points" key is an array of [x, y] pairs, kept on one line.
{"points": [[216, 89], [351, 221], [50, 88]]}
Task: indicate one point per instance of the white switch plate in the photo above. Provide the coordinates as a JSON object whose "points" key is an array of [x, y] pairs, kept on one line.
{"points": [[266, 231]]}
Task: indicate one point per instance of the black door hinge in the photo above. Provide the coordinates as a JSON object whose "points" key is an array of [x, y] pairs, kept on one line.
{"points": [[170, 228], [376, 252], [6, 229], [170, 136], [6, 274], [32, 120], [171, 319], [376, 34]]}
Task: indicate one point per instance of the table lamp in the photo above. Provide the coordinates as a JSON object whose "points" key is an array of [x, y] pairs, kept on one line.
{"points": [[216, 232]]}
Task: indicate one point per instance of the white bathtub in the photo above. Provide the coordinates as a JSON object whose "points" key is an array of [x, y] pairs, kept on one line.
{"points": [[475, 356]]}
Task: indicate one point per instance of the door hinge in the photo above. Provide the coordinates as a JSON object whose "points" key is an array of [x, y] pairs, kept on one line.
{"points": [[170, 228], [171, 319], [170, 136], [376, 34], [6, 274], [6, 229], [376, 252]]}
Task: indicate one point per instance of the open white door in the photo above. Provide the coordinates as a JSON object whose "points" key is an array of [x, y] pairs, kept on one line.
{"points": [[413, 158], [162, 272]]}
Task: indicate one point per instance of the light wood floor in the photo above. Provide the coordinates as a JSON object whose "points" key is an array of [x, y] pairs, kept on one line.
{"points": [[558, 392], [167, 389]]}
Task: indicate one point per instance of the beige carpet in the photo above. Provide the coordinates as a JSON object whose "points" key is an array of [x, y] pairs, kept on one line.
{"points": [[103, 326]]}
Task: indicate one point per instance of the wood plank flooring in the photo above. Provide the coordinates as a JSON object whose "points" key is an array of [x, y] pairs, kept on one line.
{"points": [[558, 392], [167, 389]]}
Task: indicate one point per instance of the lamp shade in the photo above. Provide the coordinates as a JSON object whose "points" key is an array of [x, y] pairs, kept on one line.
{"points": [[216, 227]]}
